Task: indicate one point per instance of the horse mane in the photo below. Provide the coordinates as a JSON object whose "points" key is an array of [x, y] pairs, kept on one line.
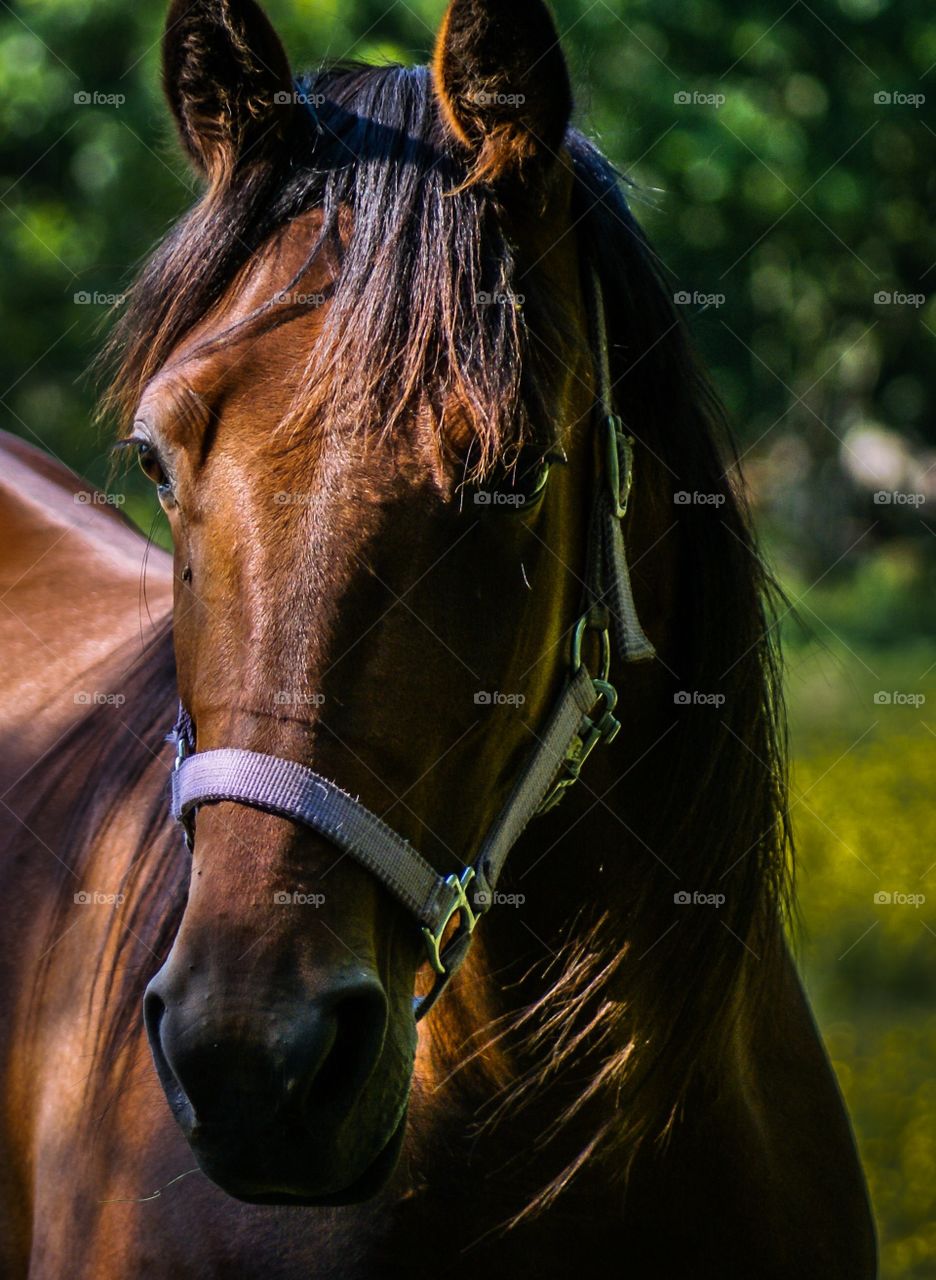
{"points": [[424, 249], [82, 778], [710, 795]]}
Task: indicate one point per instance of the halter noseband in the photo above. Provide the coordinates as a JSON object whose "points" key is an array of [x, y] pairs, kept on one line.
{"points": [[582, 718]]}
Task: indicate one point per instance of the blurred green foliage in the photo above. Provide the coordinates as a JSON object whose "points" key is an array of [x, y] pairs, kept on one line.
{"points": [[866, 827], [862, 689], [781, 185], [784, 168]]}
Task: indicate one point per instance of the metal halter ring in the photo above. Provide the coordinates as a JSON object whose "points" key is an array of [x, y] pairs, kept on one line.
{"points": [[466, 925], [589, 622]]}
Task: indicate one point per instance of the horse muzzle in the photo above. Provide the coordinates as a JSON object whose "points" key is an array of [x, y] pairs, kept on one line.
{"points": [[280, 1106]]}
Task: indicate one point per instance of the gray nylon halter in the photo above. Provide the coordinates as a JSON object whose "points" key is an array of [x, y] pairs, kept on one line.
{"points": [[571, 733]]}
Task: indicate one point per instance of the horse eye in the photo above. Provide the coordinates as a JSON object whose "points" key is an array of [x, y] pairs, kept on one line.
{"points": [[523, 484], [152, 467], [531, 476]]}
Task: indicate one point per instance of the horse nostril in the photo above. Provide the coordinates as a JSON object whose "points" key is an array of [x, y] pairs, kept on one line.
{"points": [[153, 1009], [356, 1034], [154, 1012]]}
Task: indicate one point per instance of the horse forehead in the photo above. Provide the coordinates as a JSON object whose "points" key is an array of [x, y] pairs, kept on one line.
{"points": [[311, 486], [277, 263], [279, 267]]}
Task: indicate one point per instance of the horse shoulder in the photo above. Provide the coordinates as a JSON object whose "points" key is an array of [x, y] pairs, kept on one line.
{"points": [[760, 1175]]}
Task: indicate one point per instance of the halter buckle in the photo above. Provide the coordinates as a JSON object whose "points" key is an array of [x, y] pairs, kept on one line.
{"points": [[595, 728], [600, 728], [440, 959]]}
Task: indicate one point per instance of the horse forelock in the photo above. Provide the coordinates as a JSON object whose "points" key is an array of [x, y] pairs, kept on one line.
{"points": [[425, 311]]}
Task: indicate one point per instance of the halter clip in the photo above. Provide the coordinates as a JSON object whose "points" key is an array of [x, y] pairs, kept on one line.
{"points": [[441, 959]]}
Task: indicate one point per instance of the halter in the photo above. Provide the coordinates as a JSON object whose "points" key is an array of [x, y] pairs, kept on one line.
{"points": [[582, 718]]}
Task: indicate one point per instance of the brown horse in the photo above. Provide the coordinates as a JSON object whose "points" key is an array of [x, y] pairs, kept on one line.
{"points": [[363, 373]]}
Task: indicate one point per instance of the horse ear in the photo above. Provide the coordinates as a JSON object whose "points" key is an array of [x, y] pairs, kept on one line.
{"points": [[227, 78], [502, 82]]}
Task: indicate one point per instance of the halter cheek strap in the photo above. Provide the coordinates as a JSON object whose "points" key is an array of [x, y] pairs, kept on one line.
{"points": [[582, 717]]}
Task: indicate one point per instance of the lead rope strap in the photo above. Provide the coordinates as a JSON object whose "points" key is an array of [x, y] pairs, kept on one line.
{"points": [[611, 584]]}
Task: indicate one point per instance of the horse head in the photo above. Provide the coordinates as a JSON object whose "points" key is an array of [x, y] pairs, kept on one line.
{"points": [[361, 377]]}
